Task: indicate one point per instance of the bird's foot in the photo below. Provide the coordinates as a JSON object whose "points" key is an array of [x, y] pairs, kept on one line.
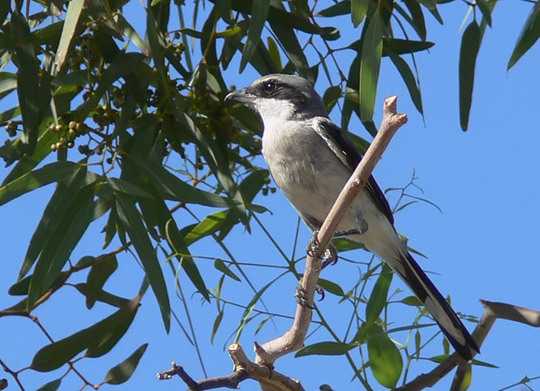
{"points": [[330, 255], [301, 298]]}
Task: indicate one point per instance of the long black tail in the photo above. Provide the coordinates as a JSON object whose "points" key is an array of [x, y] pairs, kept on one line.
{"points": [[407, 268]]}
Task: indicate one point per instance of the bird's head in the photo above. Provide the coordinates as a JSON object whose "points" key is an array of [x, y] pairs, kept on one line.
{"points": [[280, 96]]}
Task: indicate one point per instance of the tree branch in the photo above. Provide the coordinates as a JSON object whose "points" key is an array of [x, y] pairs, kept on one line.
{"points": [[293, 339], [492, 312]]}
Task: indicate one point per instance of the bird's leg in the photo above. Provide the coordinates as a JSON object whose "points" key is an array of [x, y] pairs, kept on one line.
{"points": [[348, 232]]}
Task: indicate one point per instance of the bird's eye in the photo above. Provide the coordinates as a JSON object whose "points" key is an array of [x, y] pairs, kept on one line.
{"points": [[269, 86]]}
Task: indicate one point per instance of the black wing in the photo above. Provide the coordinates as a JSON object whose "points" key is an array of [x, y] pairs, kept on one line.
{"points": [[347, 153]]}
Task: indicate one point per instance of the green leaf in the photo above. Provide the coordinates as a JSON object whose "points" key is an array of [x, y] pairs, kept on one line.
{"points": [[51, 386], [127, 188], [102, 296], [130, 220], [249, 308], [404, 46], [252, 184], [215, 327], [412, 301], [27, 80], [64, 194], [470, 44], [220, 265], [123, 371], [384, 357], [331, 97], [467, 377], [209, 225], [273, 51], [179, 246], [331, 287], [128, 30], [370, 65], [49, 173], [359, 9], [409, 79], [28, 162], [485, 9], [340, 8], [74, 10], [325, 349], [288, 39], [417, 18], [55, 355], [528, 36], [378, 298], [8, 83], [173, 188], [259, 13], [66, 234], [430, 4], [99, 273]]}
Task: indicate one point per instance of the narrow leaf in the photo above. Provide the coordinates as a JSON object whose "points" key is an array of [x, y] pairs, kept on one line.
{"points": [[485, 9], [27, 80], [220, 265], [385, 360], [331, 287], [55, 355], [470, 44], [68, 30], [370, 65], [358, 11], [340, 8], [528, 36], [66, 234], [409, 79], [259, 13], [215, 327], [123, 371], [173, 188], [130, 220], [179, 246], [378, 298], [325, 349], [99, 273], [51, 386], [52, 172], [209, 225]]}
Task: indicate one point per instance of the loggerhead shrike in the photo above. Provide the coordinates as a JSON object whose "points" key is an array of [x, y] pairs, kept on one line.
{"points": [[311, 159]]}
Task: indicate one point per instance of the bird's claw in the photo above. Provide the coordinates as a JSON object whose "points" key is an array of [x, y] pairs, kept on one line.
{"points": [[330, 255], [301, 298]]}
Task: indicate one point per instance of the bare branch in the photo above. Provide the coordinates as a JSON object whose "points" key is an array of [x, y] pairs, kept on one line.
{"points": [[492, 311]]}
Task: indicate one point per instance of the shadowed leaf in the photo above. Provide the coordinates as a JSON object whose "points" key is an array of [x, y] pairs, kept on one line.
{"points": [[123, 371], [470, 44], [528, 36]]}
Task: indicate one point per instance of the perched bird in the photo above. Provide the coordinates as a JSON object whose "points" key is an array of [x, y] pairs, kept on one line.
{"points": [[311, 159]]}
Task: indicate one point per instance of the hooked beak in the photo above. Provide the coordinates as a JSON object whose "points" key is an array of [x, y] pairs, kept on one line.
{"points": [[240, 96]]}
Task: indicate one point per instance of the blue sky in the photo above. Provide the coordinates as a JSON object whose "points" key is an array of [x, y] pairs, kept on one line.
{"points": [[482, 246]]}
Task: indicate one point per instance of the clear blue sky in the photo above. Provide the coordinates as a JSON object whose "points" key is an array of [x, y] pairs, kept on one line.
{"points": [[484, 244]]}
